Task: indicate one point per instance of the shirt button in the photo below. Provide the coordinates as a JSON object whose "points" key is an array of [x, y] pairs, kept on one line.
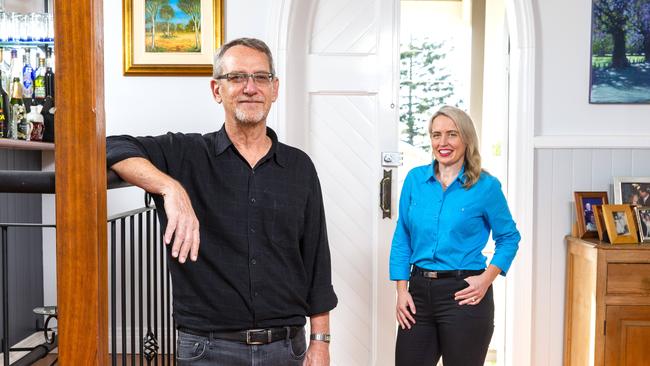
{"points": [[252, 200], [252, 230], [253, 261], [255, 294]]}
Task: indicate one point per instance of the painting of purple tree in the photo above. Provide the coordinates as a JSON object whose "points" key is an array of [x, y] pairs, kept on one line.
{"points": [[620, 51]]}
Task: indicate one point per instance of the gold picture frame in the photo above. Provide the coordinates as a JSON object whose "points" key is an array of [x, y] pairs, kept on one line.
{"points": [[183, 49], [584, 202], [620, 223]]}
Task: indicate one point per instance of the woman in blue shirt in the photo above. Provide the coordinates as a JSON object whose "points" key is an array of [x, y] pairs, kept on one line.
{"points": [[447, 210]]}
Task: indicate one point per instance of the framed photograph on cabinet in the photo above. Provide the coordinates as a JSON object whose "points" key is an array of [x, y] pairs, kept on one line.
{"points": [[171, 37], [620, 223], [632, 190], [585, 213], [600, 223], [643, 222]]}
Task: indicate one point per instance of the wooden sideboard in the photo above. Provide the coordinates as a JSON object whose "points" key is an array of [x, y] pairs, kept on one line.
{"points": [[607, 312]]}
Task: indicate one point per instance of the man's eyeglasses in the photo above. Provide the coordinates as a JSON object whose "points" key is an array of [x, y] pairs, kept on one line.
{"points": [[259, 78]]}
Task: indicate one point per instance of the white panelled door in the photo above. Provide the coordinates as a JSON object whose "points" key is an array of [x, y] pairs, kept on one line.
{"points": [[352, 82]]}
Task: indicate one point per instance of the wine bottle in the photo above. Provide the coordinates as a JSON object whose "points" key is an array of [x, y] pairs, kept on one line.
{"points": [[49, 75], [4, 112], [2, 119], [39, 83], [17, 108], [4, 68], [15, 70]]}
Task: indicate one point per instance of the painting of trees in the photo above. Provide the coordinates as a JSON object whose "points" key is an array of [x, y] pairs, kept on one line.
{"points": [[193, 9], [613, 17], [151, 8], [172, 26], [620, 51], [167, 14]]}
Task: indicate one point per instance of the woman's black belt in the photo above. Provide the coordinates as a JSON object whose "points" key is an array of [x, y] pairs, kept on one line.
{"points": [[461, 273], [250, 336]]}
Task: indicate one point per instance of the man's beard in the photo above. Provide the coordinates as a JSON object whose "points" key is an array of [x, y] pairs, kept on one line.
{"points": [[245, 117]]}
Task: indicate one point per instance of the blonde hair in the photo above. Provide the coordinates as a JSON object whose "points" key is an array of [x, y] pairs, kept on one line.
{"points": [[468, 134]]}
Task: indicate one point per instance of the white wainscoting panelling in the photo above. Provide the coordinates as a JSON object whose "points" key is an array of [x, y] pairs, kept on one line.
{"points": [[559, 173], [345, 27]]}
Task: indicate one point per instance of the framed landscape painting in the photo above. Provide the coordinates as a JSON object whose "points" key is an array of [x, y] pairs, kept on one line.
{"points": [[620, 52], [171, 37]]}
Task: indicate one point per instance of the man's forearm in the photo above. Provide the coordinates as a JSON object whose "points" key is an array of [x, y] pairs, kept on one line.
{"points": [[182, 223], [320, 323], [142, 173]]}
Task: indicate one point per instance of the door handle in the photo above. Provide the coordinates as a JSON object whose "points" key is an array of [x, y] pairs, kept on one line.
{"points": [[385, 194]]}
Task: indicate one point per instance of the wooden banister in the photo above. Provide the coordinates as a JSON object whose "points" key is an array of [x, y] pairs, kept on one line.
{"points": [[81, 183]]}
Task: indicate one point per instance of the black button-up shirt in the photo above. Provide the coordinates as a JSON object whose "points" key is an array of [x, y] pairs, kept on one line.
{"points": [[264, 258]]}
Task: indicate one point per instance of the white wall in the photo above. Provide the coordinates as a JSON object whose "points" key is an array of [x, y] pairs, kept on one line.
{"points": [[578, 146], [155, 105]]}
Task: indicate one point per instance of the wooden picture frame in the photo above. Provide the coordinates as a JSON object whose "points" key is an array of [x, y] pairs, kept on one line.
{"points": [[184, 37], [584, 202], [632, 190], [643, 223], [600, 223], [620, 223]]}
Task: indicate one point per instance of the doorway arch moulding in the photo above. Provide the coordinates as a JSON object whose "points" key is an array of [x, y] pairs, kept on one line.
{"points": [[291, 23]]}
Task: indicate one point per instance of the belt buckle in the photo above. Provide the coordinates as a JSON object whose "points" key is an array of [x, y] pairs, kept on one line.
{"points": [[250, 331], [430, 274]]}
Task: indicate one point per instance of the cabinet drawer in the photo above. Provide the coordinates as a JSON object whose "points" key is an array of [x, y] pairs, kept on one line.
{"points": [[628, 278]]}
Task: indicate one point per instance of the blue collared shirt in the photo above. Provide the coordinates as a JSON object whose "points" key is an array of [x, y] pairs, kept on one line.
{"points": [[447, 230]]}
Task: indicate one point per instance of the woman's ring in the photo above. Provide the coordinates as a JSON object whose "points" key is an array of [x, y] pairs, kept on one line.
{"points": [[473, 299]]}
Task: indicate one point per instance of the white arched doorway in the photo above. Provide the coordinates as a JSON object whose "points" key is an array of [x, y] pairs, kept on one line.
{"points": [[335, 58]]}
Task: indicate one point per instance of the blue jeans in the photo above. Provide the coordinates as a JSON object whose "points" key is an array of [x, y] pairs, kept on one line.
{"points": [[193, 350]]}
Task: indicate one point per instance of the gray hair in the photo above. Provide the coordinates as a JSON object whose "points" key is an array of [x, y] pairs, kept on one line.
{"points": [[254, 43]]}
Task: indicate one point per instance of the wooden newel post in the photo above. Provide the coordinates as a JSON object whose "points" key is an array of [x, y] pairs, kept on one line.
{"points": [[81, 239]]}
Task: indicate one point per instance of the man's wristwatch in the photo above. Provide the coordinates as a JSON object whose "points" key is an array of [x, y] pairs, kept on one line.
{"points": [[323, 337]]}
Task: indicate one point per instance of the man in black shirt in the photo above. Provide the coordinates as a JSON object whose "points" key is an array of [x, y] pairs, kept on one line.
{"points": [[264, 261]]}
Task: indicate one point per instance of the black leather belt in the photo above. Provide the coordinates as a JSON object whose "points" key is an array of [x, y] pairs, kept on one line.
{"points": [[250, 336], [417, 271]]}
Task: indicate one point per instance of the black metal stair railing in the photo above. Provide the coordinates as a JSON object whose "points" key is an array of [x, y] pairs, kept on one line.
{"points": [[141, 328], [140, 280]]}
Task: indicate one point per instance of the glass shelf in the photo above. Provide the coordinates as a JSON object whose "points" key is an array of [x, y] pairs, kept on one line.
{"points": [[25, 145], [26, 44]]}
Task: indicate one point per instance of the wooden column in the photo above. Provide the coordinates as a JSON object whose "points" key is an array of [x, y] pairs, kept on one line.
{"points": [[80, 152]]}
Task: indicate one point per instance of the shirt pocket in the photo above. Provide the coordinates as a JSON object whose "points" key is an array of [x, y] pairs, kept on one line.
{"points": [[423, 217], [287, 223], [468, 221]]}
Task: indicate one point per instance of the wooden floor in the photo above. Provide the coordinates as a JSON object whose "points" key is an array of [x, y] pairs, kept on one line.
{"points": [[37, 338], [49, 358]]}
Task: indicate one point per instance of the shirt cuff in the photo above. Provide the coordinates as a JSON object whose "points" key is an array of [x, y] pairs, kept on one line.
{"points": [[502, 264], [321, 300], [400, 274]]}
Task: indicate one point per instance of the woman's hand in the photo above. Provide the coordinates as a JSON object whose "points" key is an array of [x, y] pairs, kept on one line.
{"points": [[478, 286], [405, 306]]}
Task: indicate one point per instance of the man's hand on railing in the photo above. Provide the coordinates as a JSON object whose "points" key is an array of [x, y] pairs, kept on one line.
{"points": [[182, 224]]}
